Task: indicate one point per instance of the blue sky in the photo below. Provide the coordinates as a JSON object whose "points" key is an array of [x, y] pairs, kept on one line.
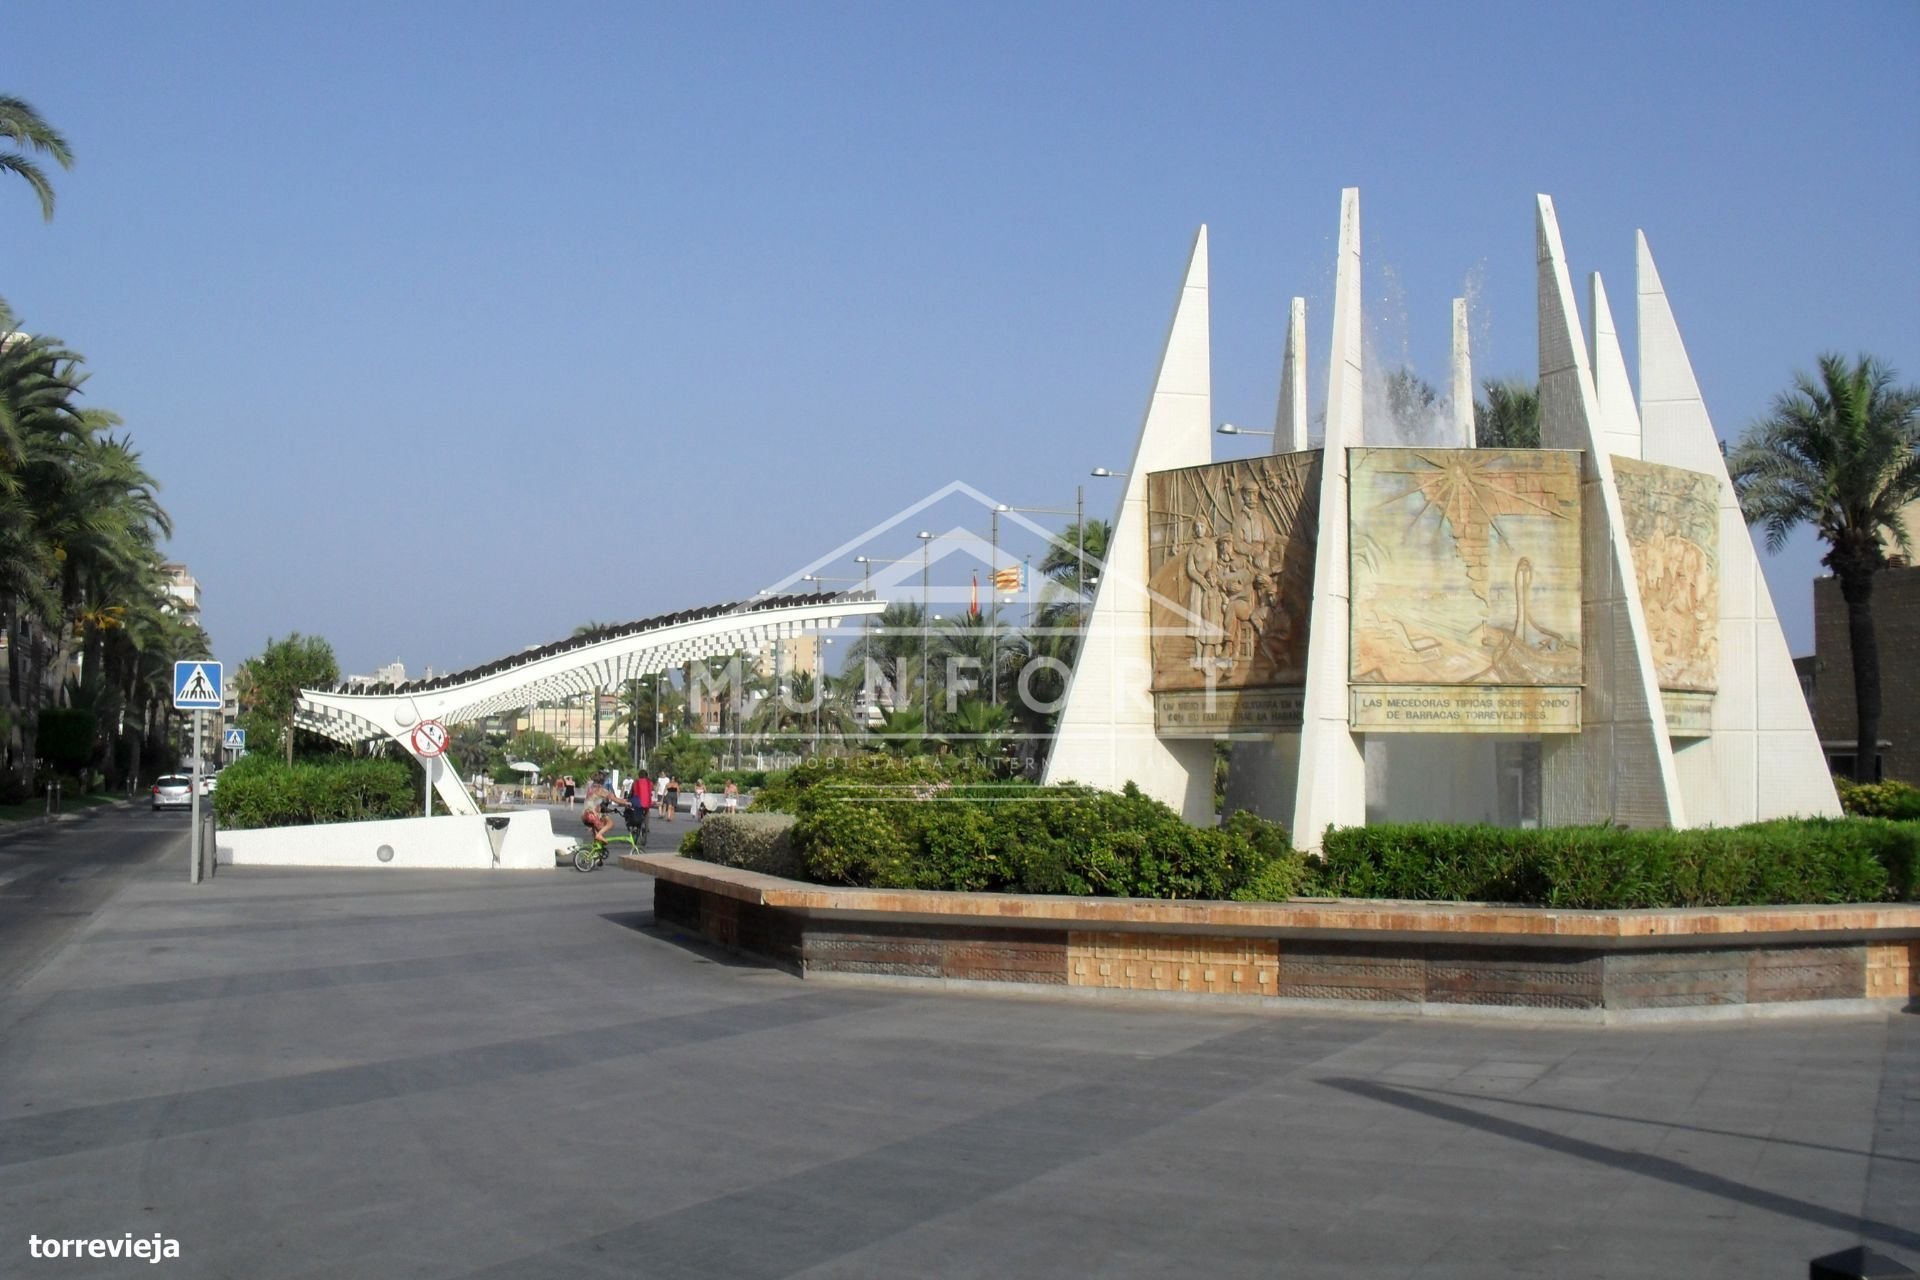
{"points": [[447, 327]]}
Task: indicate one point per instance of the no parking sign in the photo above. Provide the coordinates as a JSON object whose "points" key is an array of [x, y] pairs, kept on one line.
{"points": [[429, 738]]}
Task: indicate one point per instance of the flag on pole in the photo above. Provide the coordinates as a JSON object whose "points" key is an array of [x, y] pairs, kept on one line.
{"points": [[1010, 579], [973, 604]]}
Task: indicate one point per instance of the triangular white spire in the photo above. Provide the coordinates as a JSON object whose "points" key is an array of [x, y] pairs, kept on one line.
{"points": [[1332, 788], [1620, 766], [1463, 434], [1763, 759], [1290, 423], [1618, 414], [1106, 731]]}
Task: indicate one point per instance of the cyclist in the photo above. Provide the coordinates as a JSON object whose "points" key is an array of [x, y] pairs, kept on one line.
{"points": [[599, 798]]}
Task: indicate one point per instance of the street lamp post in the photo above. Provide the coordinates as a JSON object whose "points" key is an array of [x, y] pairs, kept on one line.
{"points": [[866, 564], [1079, 553], [926, 693], [819, 657], [1228, 429]]}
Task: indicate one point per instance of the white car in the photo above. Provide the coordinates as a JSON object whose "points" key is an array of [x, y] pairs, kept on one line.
{"points": [[174, 791]]}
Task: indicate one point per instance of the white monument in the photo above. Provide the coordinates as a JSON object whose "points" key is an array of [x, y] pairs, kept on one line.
{"points": [[1577, 633]]}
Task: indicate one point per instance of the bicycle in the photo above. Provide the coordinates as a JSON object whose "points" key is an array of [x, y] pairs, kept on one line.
{"points": [[591, 855], [638, 825]]}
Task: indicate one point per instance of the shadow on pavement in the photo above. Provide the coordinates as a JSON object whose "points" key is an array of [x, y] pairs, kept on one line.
{"points": [[1636, 1162]]}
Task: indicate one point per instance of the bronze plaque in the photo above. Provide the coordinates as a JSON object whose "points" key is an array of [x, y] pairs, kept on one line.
{"points": [[1689, 714], [1196, 713], [1465, 566], [1453, 708], [1673, 526], [1230, 572]]}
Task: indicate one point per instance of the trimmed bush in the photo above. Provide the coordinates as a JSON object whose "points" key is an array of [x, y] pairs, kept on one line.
{"points": [[1895, 800], [1020, 838], [751, 841], [1815, 860], [942, 823], [260, 791]]}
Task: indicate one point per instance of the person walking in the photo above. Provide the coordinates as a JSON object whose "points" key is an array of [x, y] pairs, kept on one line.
{"points": [[730, 799], [640, 796], [700, 799], [673, 797]]}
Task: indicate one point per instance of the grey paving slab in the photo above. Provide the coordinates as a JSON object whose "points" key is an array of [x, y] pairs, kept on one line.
{"points": [[494, 1074]]}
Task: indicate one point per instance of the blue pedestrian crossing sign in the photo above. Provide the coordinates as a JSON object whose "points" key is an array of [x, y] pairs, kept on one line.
{"points": [[234, 740], [196, 685]]}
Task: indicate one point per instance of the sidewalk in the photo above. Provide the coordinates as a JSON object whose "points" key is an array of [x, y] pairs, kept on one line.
{"points": [[443, 1074], [13, 827]]}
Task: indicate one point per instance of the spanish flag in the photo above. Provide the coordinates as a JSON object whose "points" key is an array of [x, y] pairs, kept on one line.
{"points": [[973, 605]]}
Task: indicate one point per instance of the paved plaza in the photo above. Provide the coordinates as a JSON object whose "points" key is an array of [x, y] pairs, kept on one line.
{"points": [[353, 1074]]}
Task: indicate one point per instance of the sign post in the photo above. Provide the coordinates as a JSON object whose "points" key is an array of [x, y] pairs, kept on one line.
{"points": [[196, 688], [429, 740]]}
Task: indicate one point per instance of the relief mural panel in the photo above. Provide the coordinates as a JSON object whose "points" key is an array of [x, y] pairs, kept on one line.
{"points": [[1673, 526], [1230, 570], [1465, 566]]}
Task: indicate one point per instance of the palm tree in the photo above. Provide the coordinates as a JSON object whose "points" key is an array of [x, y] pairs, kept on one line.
{"points": [[976, 728], [784, 709], [1073, 564], [967, 647], [904, 731], [1509, 418], [1840, 452], [80, 528], [43, 433], [22, 126], [891, 649]]}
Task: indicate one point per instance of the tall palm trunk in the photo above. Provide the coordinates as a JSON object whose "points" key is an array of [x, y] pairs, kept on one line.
{"points": [[1856, 588]]}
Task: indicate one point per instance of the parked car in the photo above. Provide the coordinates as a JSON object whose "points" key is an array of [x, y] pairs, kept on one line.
{"points": [[174, 791]]}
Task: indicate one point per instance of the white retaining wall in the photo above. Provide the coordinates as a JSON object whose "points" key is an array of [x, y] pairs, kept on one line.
{"points": [[524, 842]]}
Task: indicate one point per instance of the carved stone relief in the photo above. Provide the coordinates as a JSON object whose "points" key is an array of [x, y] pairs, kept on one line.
{"points": [[1465, 566], [1230, 570], [1673, 526]]}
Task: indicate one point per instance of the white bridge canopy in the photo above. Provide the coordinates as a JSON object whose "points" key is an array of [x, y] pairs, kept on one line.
{"points": [[583, 664]]}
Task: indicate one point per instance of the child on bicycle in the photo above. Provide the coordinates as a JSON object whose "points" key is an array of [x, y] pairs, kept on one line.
{"points": [[600, 799]]}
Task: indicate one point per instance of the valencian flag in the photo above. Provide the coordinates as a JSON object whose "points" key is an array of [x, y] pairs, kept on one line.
{"points": [[1010, 579], [973, 605]]}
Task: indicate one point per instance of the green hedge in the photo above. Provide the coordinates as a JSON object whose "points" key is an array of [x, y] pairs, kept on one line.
{"points": [[784, 791], [751, 841], [260, 791], [1812, 860], [978, 836], [940, 823], [745, 779]]}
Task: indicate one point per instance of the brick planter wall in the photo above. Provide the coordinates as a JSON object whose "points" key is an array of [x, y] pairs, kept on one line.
{"points": [[1411, 957]]}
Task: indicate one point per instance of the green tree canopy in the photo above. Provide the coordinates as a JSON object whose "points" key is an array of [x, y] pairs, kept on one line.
{"points": [[1839, 452], [269, 684], [1509, 417], [22, 127]]}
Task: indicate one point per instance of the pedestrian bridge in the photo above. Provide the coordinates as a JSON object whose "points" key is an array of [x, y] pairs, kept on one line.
{"points": [[578, 665]]}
